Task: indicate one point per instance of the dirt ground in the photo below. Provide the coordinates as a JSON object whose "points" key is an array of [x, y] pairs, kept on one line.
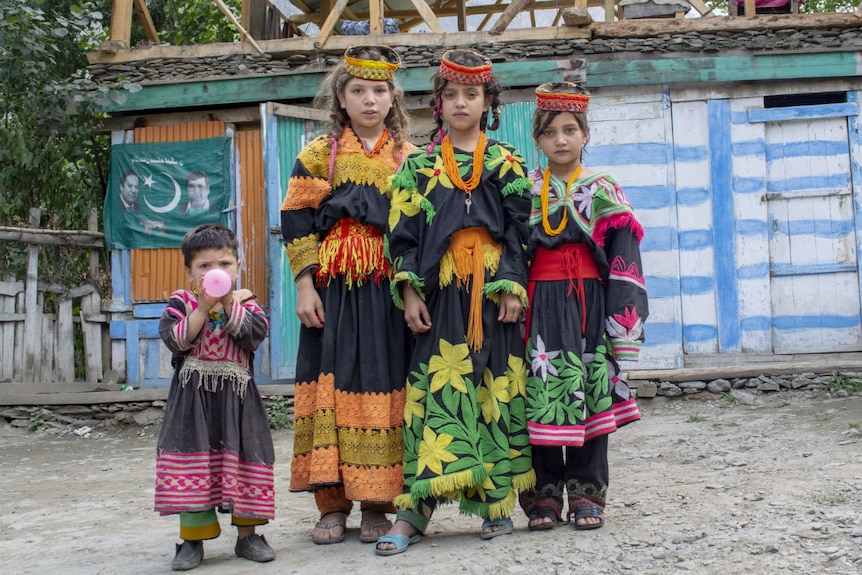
{"points": [[766, 484]]}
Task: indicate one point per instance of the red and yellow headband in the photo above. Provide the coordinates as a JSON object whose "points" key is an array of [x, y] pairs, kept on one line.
{"points": [[562, 97], [461, 74], [371, 69]]}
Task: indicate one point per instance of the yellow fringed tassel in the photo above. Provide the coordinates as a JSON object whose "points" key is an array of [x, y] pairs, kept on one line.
{"points": [[504, 508], [524, 481], [469, 258]]}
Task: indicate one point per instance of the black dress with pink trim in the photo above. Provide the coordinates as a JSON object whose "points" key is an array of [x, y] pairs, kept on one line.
{"points": [[215, 447]]}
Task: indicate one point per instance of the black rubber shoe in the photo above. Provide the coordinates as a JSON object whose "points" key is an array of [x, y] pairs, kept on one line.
{"points": [[255, 548], [189, 555]]}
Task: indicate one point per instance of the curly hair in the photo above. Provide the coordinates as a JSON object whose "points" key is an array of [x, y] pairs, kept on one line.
{"points": [[492, 88], [397, 121]]}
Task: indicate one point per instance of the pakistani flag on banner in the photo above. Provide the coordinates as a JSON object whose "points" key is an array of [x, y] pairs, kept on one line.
{"points": [[157, 192]]}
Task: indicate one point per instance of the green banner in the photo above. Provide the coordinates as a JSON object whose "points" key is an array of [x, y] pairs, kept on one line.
{"points": [[157, 192]]}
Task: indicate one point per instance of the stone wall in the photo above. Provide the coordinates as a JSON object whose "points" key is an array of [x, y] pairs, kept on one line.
{"points": [[82, 419], [596, 48]]}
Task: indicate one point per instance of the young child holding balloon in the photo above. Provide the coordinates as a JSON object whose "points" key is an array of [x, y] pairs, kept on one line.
{"points": [[215, 436]]}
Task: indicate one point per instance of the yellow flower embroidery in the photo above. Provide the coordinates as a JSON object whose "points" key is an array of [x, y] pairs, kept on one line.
{"points": [[491, 394], [436, 174], [412, 406], [517, 372], [452, 363], [401, 204], [432, 451], [486, 485], [508, 162]]}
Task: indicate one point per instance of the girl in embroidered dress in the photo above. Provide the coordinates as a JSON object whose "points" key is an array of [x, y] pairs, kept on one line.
{"points": [[353, 345], [588, 303], [457, 229], [215, 448]]}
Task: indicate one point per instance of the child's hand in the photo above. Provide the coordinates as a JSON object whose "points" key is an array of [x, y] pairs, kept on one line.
{"points": [[415, 311], [309, 308], [510, 308]]}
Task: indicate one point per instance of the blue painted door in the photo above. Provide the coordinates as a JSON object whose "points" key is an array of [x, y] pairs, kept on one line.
{"points": [[812, 232], [284, 136]]}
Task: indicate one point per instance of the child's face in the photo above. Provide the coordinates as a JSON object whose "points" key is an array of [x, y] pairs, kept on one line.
{"points": [[367, 103], [210, 258], [463, 105], [562, 141]]}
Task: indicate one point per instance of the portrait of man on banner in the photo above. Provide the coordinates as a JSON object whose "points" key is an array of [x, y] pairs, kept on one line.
{"points": [[159, 191]]}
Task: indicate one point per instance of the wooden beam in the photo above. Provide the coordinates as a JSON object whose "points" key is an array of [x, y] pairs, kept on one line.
{"points": [[375, 11], [329, 24], [242, 31], [20, 394], [302, 112], [146, 21], [461, 12], [779, 366], [82, 239], [428, 15], [512, 10], [121, 23], [253, 18], [626, 29], [487, 17]]}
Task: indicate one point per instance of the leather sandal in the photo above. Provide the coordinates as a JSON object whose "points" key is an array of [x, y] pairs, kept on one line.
{"points": [[329, 525]]}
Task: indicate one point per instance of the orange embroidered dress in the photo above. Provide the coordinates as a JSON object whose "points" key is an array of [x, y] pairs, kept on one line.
{"points": [[350, 375]]}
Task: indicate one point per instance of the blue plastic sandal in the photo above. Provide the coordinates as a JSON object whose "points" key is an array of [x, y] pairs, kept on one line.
{"points": [[505, 523], [401, 543]]}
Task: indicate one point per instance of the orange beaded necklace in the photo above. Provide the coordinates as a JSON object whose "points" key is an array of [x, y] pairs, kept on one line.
{"points": [[451, 165], [381, 141], [545, 191]]}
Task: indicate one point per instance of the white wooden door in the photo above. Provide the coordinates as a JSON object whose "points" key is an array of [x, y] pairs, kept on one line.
{"points": [[812, 238]]}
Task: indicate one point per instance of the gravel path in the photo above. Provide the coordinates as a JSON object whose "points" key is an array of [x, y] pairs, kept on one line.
{"points": [[753, 484]]}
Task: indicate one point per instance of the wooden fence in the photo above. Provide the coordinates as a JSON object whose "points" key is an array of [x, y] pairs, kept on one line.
{"points": [[38, 347]]}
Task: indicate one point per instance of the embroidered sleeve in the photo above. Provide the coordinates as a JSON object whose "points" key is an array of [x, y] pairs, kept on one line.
{"points": [[513, 185], [610, 209], [307, 186], [173, 325], [402, 238], [248, 323], [627, 304]]}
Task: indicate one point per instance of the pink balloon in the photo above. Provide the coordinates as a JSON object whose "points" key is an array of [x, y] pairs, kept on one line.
{"points": [[217, 282]]}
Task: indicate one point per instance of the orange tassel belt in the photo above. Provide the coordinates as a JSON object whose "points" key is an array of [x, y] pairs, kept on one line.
{"points": [[567, 262], [467, 247], [352, 250]]}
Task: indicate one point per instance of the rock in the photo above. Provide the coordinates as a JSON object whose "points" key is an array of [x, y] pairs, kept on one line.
{"points": [[719, 386]]}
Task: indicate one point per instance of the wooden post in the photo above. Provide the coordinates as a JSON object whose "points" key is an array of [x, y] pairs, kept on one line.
{"points": [[750, 8], [375, 16], [242, 31], [64, 350], [461, 7], [329, 25], [32, 311], [121, 22], [428, 15], [146, 21], [91, 306], [512, 10]]}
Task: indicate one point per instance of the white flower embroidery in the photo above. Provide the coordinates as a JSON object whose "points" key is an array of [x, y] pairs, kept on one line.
{"points": [[541, 359], [583, 197]]}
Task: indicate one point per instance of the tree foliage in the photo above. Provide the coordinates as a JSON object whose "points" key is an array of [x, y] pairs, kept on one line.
{"points": [[49, 158], [189, 22]]}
